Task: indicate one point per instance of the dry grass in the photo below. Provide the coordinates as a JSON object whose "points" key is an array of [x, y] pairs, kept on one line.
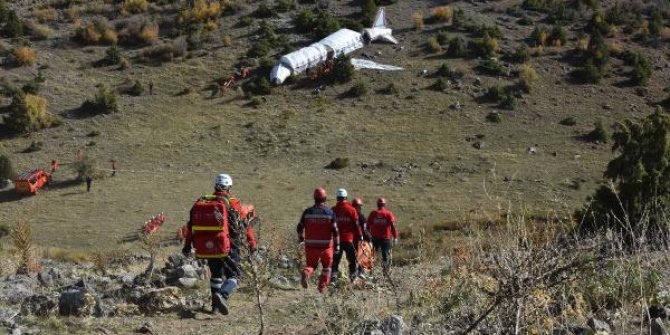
{"points": [[227, 41], [528, 77], [46, 14], [23, 243], [67, 255], [443, 13], [417, 19], [134, 7], [149, 34], [202, 12], [24, 56]]}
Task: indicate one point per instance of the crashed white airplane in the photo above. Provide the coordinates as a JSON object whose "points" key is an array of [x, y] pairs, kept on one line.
{"points": [[334, 45]]}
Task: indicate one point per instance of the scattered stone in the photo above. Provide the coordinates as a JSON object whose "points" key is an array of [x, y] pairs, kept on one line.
{"points": [[40, 305], [187, 282], [187, 271], [7, 316], [393, 325], [284, 262], [49, 277], [161, 300], [656, 311], [146, 328], [657, 327], [478, 145], [125, 310], [531, 150], [77, 302], [282, 283], [599, 326], [15, 292], [607, 107]]}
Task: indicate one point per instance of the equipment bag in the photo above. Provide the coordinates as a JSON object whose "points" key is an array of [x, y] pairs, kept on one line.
{"points": [[209, 226]]}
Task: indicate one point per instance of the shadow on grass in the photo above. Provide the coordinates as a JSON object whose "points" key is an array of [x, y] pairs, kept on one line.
{"points": [[9, 196]]}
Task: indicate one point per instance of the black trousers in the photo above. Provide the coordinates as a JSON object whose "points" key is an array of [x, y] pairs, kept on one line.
{"points": [[228, 268], [350, 250], [385, 247]]}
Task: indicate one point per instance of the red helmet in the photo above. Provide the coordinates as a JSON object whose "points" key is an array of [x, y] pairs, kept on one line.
{"points": [[357, 202], [320, 194], [381, 202]]}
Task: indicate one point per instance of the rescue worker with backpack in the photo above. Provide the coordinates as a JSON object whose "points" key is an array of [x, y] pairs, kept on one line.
{"points": [[346, 217], [317, 229], [382, 227], [215, 229]]}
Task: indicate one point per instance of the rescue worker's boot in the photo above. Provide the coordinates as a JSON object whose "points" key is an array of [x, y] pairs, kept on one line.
{"points": [[333, 279], [304, 277], [219, 303], [324, 280]]}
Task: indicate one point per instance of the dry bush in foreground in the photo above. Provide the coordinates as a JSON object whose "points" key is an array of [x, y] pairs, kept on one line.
{"points": [[24, 56], [443, 13], [23, 243], [166, 51], [134, 7], [417, 18], [95, 31]]}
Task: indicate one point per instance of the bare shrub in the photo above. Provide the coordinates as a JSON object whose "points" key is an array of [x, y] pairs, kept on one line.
{"points": [[443, 13], [167, 51], [95, 31], [134, 7], [46, 14], [527, 77], [23, 243], [24, 56], [417, 18], [139, 30]]}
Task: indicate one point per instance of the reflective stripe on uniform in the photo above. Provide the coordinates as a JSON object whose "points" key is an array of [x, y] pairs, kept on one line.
{"points": [[317, 216], [197, 255], [208, 228], [322, 242]]}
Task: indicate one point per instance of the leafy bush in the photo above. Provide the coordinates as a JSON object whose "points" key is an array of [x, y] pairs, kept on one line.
{"points": [[457, 48], [598, 134], [557, 37], [23, 56], [493, 117], [432, 45], [442, 38], [495, 93], [440, 85], [11, 25], [635, 207], [305, 21], [343, 71], [263, 12], [509, 102], [260, 49], [137, 89], [589, 73], [338, 163], [96, 31], [539, 36], [198, 12], [368, 11], [521, 54], [527, 77], [568, 121], [284, 6], [460, 19], [134, 7], [485, 47], [444, 71], [6, 169], [113, 55], [28, 112], [104, 102], [258, 86], [641, 71], [491, 66], [359, 89], [443, 13], [326, 24]]}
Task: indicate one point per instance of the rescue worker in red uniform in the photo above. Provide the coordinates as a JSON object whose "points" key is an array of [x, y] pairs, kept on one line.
{"points": [[228, 266], [382, 227], [318, 230], [362, 220], [350, 235]]}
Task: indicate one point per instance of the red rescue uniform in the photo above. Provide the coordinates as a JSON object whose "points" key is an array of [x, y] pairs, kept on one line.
{"points": [[318, 229], [347, 222], [381, 224]]}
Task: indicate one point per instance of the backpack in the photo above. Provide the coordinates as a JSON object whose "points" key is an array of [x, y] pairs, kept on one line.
{"points": [[209, 228]]}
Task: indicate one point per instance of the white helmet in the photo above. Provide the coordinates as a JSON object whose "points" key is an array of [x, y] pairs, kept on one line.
{"points": [[341, 193], [223, 180]]}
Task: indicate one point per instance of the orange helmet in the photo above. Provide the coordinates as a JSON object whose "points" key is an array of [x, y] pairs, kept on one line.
{"points": [[320, 194], [381, 202], [357, 202]]}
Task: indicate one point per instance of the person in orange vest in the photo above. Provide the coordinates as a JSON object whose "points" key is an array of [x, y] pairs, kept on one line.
{"points": [[317, 229], [382, 227], [350, 235], [224, 261]]}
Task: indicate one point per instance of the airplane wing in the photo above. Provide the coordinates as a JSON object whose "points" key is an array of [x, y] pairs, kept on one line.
{"points": [[368, 64]]}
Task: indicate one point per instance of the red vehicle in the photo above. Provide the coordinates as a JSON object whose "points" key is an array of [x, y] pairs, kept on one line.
{"points": [[29, 182]]}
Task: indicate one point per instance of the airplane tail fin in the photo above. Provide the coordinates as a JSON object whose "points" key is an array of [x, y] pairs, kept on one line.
{"points": [[380, 19]]}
